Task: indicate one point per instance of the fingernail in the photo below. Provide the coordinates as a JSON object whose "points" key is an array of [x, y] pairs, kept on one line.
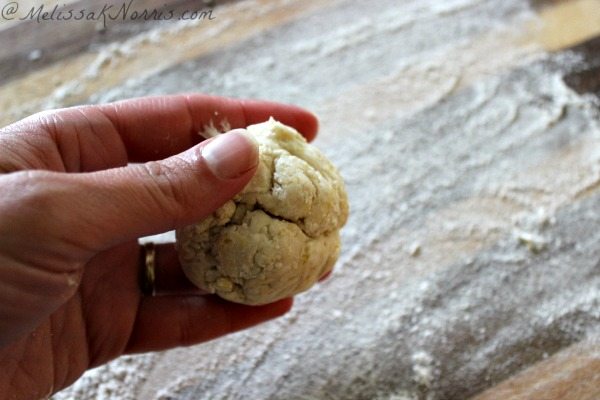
{"points": [[231, 154]]}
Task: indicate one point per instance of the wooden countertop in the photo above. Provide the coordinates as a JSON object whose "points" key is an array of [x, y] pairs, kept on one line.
{"points": [[396, 74]]}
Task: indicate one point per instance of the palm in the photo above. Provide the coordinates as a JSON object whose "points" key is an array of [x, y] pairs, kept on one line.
{"points": [[95, 324], [106, 315], [90, 329]]}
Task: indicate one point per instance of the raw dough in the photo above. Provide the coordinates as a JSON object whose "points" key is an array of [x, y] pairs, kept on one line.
{"points": [[280, 234]]}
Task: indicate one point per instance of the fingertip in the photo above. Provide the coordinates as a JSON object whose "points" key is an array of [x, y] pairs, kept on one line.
{"points": [[325, 276], [283, 306], [302, 120], [311, 126]]}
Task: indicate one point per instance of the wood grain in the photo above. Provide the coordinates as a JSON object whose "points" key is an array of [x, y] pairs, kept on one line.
{"points": [[568, 23], [482, 133], [68, 82], [57, 40], [572, 374]]}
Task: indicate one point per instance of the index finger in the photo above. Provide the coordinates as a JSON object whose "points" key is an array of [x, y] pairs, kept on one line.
{"points": [[157, 127]]}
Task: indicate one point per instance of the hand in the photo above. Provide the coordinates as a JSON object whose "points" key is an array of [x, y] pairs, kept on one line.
{"points": [[71, 212]]}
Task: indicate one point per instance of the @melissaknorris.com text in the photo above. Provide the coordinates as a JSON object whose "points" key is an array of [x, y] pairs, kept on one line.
{"points": [[103, 15]]}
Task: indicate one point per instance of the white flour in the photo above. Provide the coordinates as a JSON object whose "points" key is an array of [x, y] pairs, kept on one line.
{"points": [[113, 381]]}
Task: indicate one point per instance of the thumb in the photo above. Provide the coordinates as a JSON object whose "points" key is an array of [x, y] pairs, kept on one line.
{"points": [[58, 220], [108, 207]]}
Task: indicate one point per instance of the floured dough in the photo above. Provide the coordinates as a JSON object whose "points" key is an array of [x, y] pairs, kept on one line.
{"points": [[280, 234]]}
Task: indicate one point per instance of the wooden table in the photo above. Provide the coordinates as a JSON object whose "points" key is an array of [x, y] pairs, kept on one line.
{"points": [[468, 134]]}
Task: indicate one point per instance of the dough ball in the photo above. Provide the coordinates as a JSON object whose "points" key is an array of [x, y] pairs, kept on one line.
{"points": [[280, 234]]}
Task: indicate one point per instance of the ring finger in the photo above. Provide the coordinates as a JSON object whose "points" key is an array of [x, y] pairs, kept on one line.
{"points": [[169, 278]]}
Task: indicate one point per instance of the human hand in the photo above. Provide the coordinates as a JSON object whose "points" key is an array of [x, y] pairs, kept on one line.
{"points": [[72, 210]]}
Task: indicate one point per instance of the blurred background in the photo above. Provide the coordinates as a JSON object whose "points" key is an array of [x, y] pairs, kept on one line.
{"points": [[468, 133]]}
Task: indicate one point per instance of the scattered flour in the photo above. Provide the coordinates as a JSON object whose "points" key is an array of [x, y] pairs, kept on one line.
{"points": [[415, 249], [423, 372], [210, 130], [472, 184], [112, 381], [35, 55]]}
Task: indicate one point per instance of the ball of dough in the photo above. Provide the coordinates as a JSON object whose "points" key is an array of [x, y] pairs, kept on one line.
{"points": [[280, 234]]}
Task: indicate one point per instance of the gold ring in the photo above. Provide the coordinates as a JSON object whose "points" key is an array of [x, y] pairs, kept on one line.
{"points": [[148, 273]]}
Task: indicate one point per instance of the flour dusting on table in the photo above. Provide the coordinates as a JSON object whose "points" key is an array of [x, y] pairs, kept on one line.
{"points": [[472, 247]]}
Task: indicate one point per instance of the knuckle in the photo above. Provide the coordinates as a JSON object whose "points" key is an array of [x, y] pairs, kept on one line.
{"points": [[31, 191], [168, 190], [35, 206], [62, 285]]}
